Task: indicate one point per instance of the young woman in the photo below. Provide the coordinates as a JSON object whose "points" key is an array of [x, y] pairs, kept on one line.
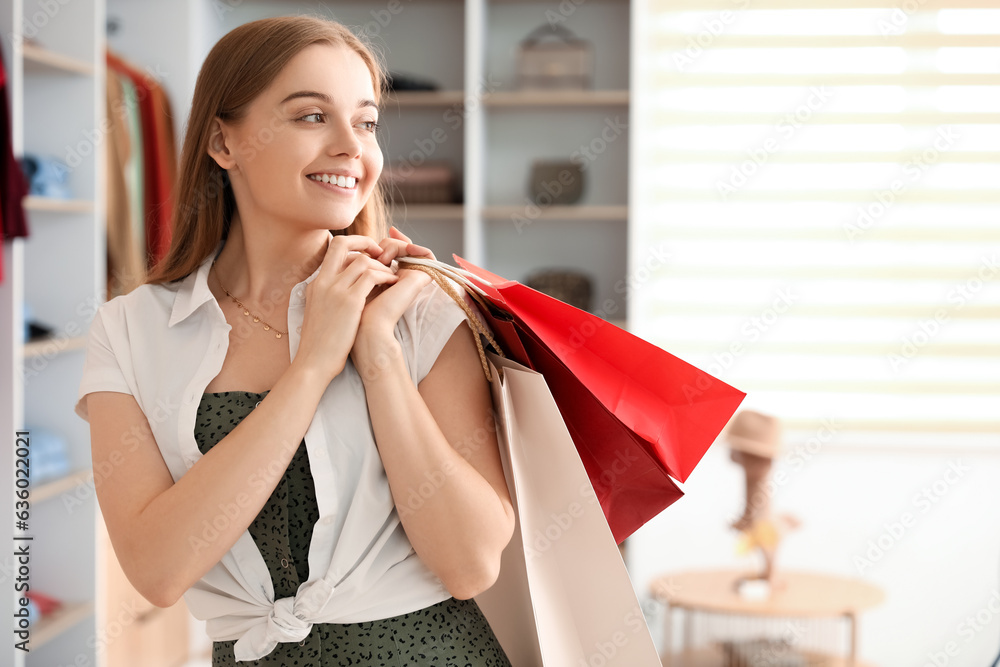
{"points": [[298, 437]]}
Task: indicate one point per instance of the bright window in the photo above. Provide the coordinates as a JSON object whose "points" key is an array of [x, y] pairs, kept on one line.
{"points": [[825, 177]]}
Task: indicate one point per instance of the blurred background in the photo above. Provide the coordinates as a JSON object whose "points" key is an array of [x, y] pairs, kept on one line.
{"points": [[798, 197]]}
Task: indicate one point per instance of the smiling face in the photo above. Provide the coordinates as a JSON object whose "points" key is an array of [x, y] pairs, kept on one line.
{"points": [[306, 155]]}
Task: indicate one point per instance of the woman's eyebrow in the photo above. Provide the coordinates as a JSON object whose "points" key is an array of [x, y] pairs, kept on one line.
{"points": [[308, 93], [322, 97]]}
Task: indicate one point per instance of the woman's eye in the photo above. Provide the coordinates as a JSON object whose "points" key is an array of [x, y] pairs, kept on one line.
{"points": [[370, 125], [313, 118]]}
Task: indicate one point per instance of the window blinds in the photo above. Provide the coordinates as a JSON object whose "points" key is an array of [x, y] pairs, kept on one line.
{"points": [[825, 179]]}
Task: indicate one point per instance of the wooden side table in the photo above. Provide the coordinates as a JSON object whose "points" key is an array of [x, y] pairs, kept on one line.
{"points": [[713, 612]]}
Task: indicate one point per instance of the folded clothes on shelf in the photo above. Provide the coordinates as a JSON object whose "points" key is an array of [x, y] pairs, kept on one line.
{"points": [[34, 613], [48, 456], [47, 176], [403, 81], [33, 329], [40, 605]]}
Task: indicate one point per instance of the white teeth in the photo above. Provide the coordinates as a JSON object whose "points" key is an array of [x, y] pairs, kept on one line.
{"points": [[342, 181]]}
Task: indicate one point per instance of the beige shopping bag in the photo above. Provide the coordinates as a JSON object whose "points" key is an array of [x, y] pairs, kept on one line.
{"points": [[563, 598]]}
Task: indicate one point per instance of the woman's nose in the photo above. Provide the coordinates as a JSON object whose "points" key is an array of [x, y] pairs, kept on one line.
{"points": [[343, 140]]}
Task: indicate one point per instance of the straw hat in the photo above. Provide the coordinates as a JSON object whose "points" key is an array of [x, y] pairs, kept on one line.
{"points": [[755, 433]]}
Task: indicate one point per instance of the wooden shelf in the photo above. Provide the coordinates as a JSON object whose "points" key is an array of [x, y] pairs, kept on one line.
{"points": [[35, 203], [425, 98], [428, 211], [58, 486], [59, 621], [617, 213], [43, 61], [44, 347], [549, 98]]}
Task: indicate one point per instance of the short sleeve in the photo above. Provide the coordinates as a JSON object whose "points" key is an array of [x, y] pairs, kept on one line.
{"points": [[101, 370], [431, 321]]}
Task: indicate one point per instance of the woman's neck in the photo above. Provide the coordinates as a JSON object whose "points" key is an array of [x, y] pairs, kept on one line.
{"points": [[261, 267]]}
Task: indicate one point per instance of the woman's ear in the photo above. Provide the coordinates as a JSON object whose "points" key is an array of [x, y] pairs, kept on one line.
{"points": [[218, 145]]}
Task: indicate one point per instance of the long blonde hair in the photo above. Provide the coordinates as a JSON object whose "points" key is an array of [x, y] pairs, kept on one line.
{"points": [[238, 68]]}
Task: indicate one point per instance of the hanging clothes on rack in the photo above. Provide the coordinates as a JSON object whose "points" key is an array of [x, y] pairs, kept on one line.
{"points": [[13, 184], [125, 260], [145, 111]]}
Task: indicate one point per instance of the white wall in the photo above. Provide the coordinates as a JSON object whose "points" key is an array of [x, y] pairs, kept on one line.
{"points": [[941, 571], [162, 39]]}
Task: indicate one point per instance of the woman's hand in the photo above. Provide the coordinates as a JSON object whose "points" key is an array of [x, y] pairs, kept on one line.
{"points": [[398, 244], [389, 302], [386, 306], [335, 300]]}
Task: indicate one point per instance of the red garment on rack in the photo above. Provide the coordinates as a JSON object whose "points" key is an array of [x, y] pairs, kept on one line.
{"points": [[159, 159], [1, 247], [13, 184], [2, 199]]}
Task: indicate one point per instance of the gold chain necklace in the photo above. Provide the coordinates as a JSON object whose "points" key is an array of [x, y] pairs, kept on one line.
{"points": [[246, 311]]}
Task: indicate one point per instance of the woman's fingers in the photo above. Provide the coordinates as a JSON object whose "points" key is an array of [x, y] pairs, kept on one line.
{"points": [[358, 265], [398, 244], [399, 249], [338, 249], [394, 232], [389, 303]]}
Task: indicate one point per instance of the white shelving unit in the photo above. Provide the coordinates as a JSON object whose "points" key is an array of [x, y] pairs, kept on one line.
{"points": [[478, 121], [56, 96]]}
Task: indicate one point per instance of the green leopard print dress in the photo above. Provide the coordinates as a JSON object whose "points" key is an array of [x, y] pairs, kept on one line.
{"points": [[452, 633]]}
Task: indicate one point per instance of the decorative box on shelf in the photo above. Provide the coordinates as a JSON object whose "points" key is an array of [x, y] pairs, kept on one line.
{"points": [[553, 58], [432, 182]]}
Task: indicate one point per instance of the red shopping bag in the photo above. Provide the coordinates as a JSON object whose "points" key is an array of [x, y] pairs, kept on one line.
{"points": [[637, 414]]}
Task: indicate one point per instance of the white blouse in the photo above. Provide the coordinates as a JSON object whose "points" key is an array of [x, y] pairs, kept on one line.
{"points": [[163, 344]]}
